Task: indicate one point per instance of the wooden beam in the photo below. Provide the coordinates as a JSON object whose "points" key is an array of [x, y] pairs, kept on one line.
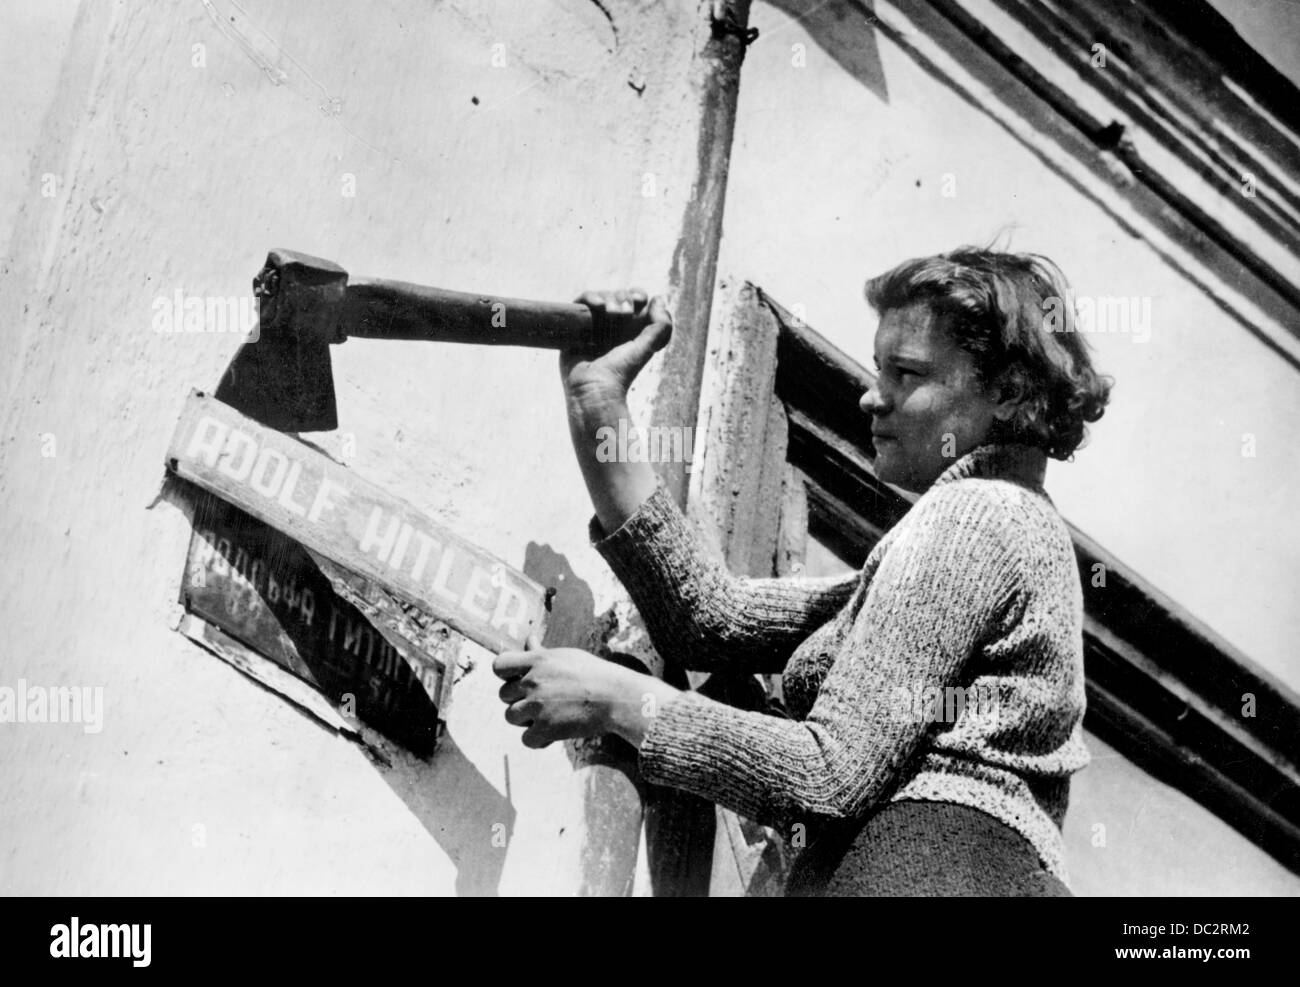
{"points": [[727, 486], [695, 261], [1170, 114], [738, 489], [941, 49], [792, 522], [1100, 131], [679, 827]]}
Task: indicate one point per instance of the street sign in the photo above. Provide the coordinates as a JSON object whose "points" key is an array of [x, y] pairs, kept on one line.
{"points": [[373, 657], [356, 524]]}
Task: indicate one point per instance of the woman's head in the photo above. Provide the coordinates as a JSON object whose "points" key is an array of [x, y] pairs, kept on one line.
{"points": [[976, 346]]}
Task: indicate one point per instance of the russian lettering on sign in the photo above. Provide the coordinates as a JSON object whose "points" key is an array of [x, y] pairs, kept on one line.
{"points": [[373, 658]]}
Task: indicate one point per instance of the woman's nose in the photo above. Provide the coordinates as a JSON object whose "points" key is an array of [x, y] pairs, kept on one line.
{"points": [[870, 401]]}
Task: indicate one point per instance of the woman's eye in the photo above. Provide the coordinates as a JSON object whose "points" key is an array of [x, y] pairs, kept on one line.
{"points": [[896, 371]]}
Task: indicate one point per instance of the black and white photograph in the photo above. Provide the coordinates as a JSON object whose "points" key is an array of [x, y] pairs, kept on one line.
{"points": [[614, 448]]}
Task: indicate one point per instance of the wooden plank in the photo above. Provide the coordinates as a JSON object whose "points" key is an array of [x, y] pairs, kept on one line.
{"points": [[821, 383], [735, 413], [1176, 647], [1173, 115], [843, 490], [737, 496], [941, 50], [758, 557], [792, 523], [1258, 253], [682, 829], [695, 259], [1170, 749], [355, 523]]}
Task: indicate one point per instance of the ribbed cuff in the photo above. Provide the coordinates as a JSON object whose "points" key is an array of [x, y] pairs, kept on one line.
{"points": [[654, 514], [686, 743], [650, 552]]}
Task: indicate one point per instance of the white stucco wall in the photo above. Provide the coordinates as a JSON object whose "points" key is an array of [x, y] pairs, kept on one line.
{"points": [[525, 177], [34, 35]]}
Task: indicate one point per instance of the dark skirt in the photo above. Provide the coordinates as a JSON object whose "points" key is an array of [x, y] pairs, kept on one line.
{"points": [[923, 849]]}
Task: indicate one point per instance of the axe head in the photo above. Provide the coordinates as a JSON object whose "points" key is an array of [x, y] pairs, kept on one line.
{"points": [[282, 377]]}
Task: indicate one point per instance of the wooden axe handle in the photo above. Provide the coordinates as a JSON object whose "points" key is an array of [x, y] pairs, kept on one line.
{"points": [[378, 309]]}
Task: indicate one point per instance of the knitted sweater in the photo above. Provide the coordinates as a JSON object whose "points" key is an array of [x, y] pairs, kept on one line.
{"points": [[949, 669]]}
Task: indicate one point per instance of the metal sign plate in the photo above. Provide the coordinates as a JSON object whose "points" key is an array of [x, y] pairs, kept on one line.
{"points": [[356, 524], [371, 655]]}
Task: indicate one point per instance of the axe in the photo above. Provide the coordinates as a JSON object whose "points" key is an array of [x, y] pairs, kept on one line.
{"points": [[283, 379]]}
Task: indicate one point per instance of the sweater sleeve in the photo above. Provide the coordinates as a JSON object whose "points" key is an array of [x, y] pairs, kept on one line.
{"points": [[948, 579], [699, 614]]}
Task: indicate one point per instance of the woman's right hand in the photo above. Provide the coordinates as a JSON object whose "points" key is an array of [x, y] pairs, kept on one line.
{"points": [[596, 385], [594, 381]]}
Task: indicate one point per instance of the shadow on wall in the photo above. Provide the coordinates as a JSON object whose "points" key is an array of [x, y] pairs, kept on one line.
{"points": [[470, 820], [612, 794], [463, 811], [473, 823], [571, 623], [845, 30]]}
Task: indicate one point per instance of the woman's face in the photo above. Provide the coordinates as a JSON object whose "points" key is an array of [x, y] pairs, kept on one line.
{"points": [[927, 406]]}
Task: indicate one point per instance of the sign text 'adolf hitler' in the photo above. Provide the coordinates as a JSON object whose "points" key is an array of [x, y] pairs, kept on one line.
{"points": [[344, 517]]}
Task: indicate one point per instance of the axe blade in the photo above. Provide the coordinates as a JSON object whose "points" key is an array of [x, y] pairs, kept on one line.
{"points": [[286, 383], [282, 376]]}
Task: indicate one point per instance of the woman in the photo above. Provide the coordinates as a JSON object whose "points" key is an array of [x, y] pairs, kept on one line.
{"points": [[976, 589]]}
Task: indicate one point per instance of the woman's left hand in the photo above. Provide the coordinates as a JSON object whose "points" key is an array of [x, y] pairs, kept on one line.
{"points": [[559, 693]]}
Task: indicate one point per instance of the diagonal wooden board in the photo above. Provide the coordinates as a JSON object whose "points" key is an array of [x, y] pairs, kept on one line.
{"points": [[355, 523]]}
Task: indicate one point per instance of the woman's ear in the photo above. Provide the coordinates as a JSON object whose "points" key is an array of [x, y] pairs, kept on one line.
{"points": [[1009, 392]]}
